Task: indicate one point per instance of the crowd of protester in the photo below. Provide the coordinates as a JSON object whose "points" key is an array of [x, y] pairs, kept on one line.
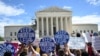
{"points": [[31, 50]]}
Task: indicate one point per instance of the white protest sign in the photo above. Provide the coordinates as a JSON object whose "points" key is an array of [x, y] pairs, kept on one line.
{"points": [[87, 37], [76, 43], [96, 43]]}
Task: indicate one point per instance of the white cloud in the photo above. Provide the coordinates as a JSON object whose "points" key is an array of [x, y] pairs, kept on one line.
{"points": [[42, 6], [20, 5], [92, 19], [8, 21], [67, 7], [94, 2], [8, 10]]}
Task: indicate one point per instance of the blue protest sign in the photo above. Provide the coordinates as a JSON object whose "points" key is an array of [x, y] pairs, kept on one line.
{"points": [[47, 44], [61, 37], [26, 35], [6, 48], [95, 34]]}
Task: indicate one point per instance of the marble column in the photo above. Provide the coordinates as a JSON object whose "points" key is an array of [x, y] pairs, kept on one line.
{"points": [[47, 26], [42, 24], [66, 24], [57, 27], [51, 26], [61, 19]]}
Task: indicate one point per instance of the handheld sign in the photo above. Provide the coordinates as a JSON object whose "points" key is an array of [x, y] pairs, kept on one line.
{"points": [[26, 35], [76, 43], [61, 37], [96, 43], [47, 44], [95, 34], [6, 48]]}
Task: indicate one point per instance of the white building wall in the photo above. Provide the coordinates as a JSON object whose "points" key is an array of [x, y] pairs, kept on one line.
{"points": [[75, 28], [86, 27], [8, 30]]}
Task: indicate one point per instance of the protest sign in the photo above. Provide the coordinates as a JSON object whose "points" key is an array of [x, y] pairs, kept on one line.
{"points": [[96, 43], [76, 43], [6, 47], [87, 37], [61, 37], [95, 34], [47, 44], [26, 35]]}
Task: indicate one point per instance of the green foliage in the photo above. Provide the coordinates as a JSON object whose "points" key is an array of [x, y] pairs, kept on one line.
{"points": [[1, 38]]}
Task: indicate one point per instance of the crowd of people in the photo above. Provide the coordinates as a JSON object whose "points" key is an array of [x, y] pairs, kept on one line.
{"points": [[30, 50]]}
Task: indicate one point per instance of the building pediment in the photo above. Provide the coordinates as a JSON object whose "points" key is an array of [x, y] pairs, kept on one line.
{"points": [[54, 9]]}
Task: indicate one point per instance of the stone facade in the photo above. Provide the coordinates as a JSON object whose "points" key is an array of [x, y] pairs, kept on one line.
{"points": [[53, 19], [49, 21]]}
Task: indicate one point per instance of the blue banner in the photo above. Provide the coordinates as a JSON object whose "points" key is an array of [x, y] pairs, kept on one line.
{"points": [[47, 44], [26, 35], [95, 34], [6, 47], [61, 37]]}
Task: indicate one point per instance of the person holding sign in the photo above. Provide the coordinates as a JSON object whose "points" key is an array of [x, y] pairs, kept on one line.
{"points": [[7, 48], [44, 54], [22, 51], [67, 51], [27, 51], [32, 51], [8, 53], [26, 35], [91, 50]]}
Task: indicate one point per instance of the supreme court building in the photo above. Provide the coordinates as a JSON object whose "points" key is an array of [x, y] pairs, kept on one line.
{"points": [[49, 21], [53, 19]]}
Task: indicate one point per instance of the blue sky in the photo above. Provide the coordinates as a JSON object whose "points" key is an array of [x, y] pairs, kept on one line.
{"points": [[16, 12]]}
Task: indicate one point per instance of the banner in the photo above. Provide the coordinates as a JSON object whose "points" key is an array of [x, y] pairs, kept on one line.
{"points": [[76, 43], [96, 43], [26, 35], [61, 37], [47, 44], [95, 34], [6, 47], [15, 45], [87, 37]]}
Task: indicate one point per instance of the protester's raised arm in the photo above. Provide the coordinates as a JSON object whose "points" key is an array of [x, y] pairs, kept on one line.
{"points": [[21, 49]]}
